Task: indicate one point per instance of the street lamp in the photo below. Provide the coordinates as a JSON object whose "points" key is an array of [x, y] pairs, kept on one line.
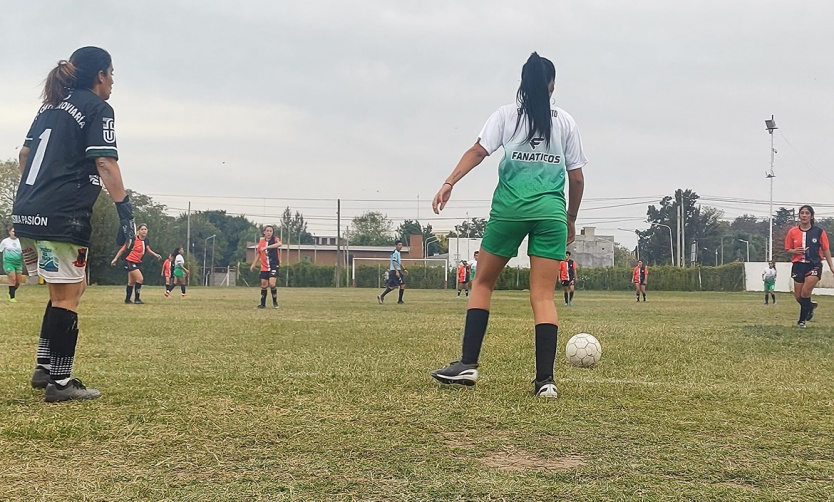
{"points": [[671, 249], [770, 125], [748, 247], [637, 233], [205, 246], [432, 238]]}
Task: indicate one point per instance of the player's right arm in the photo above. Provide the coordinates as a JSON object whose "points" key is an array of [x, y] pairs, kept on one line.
{"points": [[118, 255], [22, 158]]}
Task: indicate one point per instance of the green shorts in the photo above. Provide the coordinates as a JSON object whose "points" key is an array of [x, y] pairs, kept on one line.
{"points": [[179, 273], [13, 267], [547, 238], [770, 286]]}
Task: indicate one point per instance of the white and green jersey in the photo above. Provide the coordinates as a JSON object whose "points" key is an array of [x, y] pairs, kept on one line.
{"points": [[12, 252], [769, 275], [531, 175]]}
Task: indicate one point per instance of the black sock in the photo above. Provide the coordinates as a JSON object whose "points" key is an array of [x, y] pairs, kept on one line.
{"points": [[473, 335], [546, 343], [169, 287], [129, 290], [566, 297], [43, 342], [571, 296], [804, 309], [401, 294], [263, 296], [766, 298], [774, 297], [11, 291], [62, 328], [387, 290], [182, 288], [274, 295], [644, 296], [138, 287]]}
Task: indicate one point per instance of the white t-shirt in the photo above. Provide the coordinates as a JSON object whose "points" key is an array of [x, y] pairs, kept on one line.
{"points": [[769, 275], [531, 175], [179, 261], [11, 249]]}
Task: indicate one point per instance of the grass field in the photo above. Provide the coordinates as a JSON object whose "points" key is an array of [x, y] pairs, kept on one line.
{"points": [[698, 397]]}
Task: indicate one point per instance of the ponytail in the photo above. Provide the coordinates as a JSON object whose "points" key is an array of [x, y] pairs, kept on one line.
{"points": [[61, 78], [80, 72], [533, 97]]}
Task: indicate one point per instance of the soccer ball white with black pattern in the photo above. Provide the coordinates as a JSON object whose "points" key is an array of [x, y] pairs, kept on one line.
{"points": [[583, 350]]}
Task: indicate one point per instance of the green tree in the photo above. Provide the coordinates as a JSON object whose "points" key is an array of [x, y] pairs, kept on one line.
{"points": [[293, 228], [413, 227], [473, 228], [9, 181], [371, 228], [702, 225], [623, 256]]}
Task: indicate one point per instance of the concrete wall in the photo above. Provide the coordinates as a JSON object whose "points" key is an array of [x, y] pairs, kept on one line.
{"points": [[753, 278], [590, 250]]}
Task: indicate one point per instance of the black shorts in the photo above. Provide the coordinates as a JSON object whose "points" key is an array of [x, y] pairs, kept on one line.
{"points": [[394, 280], [800, 270], [131, 266], [567, 283], [269, 274]]}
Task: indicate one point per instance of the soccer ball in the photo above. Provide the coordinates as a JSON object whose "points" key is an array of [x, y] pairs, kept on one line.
{"points": [[583, 350]]}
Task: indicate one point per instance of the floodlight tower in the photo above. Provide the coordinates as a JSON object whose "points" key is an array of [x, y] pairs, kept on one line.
{"points": [[770, 125]]}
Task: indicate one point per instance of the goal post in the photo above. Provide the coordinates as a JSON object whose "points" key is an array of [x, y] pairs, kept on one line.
{"points": [[421, 276]]}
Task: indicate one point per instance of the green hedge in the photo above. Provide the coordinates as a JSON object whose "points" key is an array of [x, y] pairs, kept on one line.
{"points": [[724, 278]]}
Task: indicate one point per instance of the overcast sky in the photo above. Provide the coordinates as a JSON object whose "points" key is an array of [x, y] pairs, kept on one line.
{"points": [[271, 104]]}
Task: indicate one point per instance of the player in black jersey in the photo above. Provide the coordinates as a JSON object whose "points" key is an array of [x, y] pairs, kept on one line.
{"points": [[69, 153]]}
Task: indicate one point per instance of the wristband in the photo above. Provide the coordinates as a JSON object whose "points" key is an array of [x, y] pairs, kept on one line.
{"points": [[451, 185]]}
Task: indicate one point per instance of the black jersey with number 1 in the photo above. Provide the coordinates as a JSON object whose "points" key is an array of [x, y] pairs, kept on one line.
{"points": [[60, 182]]}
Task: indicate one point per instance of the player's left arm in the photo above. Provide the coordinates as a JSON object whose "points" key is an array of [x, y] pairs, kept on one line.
{"points": [[22, 158], [276, 244]]}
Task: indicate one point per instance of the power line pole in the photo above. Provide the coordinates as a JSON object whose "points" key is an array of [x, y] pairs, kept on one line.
{"points": [[338, 242], [770, 125]]}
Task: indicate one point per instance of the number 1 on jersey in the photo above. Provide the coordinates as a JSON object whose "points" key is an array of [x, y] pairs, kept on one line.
{"points": [[36, 162]]}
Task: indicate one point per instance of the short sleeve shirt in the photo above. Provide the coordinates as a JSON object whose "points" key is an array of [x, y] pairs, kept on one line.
{"points": [[769, 274], [531, 174], [395, 263], [12, 252], [268, 257], [138, 251], [60, 182], [814, 240]]}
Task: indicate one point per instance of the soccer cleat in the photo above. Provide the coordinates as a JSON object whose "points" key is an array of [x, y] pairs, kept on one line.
{"points": [[566, 304], [139, 302], [129, 301], [261, 307], [167, 294], [400, 302], [811, 312], [183, 296], [275, 305], [457, 373], [40, 378], [800, 324], [380, 299], [545, 388], [73, 390], [12, 300]]}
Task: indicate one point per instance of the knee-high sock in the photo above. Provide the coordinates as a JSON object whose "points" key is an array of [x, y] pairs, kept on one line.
{"points": [[767, 296], [62, 327], [546, 343], [12, 289], [401, 294], [387, 290], [274, 292], [128, 292], [566, 297], [805, 308], [137, 288], [42, 360], [263, 296], [473, 334], [182, 288], [571, 295]]}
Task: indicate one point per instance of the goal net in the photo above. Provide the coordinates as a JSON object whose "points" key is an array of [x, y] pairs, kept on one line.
{"points": [[422, 273]]}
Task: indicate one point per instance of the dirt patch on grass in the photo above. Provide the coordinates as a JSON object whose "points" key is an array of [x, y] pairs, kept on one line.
{"points": [[520, 461]]}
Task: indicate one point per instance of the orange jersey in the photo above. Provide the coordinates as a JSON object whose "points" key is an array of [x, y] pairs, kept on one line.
{"points": [[166, 267], [138, 251], [567, 270], [267, 257], [814, 240], [640, 275], [463, 274]]}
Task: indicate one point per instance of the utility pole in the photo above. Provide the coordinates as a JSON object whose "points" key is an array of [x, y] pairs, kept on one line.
{"points": [[770, 125], [338, 242], [188, 231]]}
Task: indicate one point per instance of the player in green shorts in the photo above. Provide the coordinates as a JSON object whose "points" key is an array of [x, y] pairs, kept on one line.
{"points": [[12, 262], [769, 278], [542, 148]]}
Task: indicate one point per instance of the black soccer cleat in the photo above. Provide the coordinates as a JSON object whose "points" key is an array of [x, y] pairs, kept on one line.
{"points": [[128, 301], [73, 390], [40, 378], [380, 299], [138, 302], [457, 373], [545, 388], [811, 312]]}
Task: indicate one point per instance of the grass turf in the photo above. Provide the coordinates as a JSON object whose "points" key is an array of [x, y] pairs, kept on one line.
{"points": [[699, 396]]}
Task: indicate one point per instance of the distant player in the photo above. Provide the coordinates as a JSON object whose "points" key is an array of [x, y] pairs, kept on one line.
{"points": [[807, 244], [167, 275], [567, 274], [69, 153], [12, 262], [640, 277], [542, 153], [180, 273], [463, 278], [133, 260], [472, 266], [396, 275], [769, 279], [267, 251]]}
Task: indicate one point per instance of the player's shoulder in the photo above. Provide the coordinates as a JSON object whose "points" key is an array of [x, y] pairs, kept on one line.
{"points": [[562, 116]]}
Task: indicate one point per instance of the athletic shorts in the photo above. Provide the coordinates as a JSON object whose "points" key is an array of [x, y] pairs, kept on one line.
{"points": [[10, 267], [394, 280], [179, 273], [769, 286], [800, 270], [547, 238], [131, 266], [567, 283], [55, 262], [640, 283], [269, 274]]}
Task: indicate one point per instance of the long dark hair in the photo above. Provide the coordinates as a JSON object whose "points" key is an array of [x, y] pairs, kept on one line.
{"points": [[533, 97], [810, 210], [176, 252], [80, 72]]}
